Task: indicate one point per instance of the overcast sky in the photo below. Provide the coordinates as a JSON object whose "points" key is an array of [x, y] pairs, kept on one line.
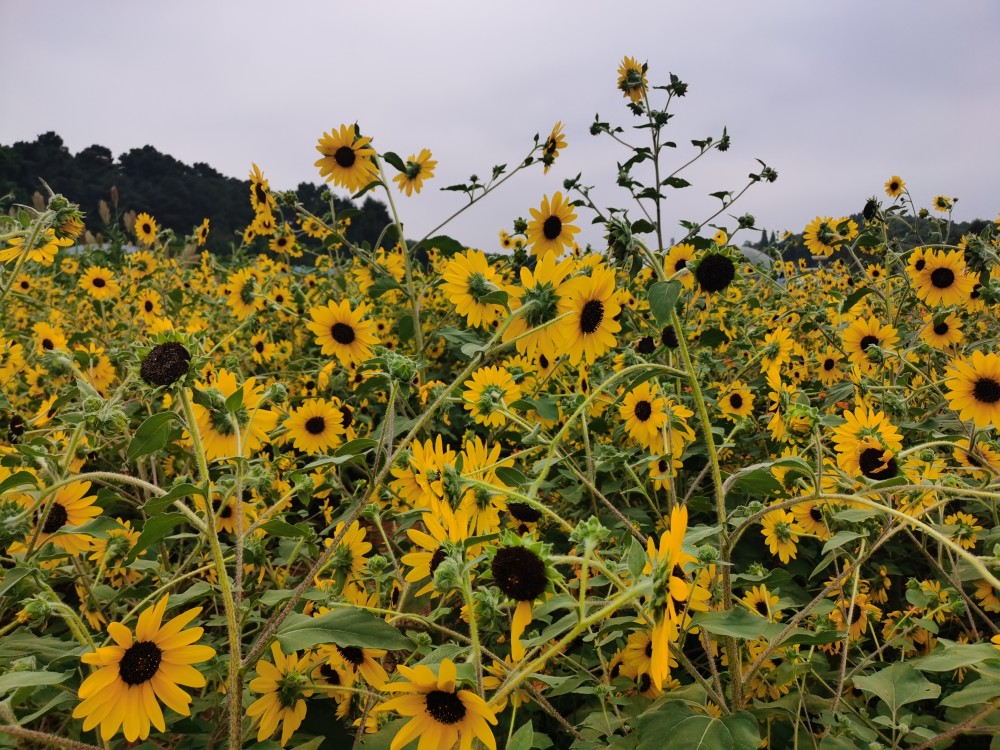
{"points": [[836, 96]]}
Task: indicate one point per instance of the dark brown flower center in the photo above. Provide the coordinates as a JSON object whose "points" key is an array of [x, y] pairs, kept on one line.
{"points": [[735, 400], [519, 573], [941, 328], [348, 416], [761, 607], [591, 316], [436, 559], [867, 341], [345, 157], [552, 227], [523, 512], [942, 278], [315, 425], [445, 708], [828, 363], [56, 519], [148, 306], [342, 333], [870, 462], [165, 364], [352, 654], [99, 282], [643, 410], [140, 663], [986, 391]]}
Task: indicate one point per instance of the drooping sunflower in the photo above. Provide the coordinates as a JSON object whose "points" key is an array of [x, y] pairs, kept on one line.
{"points": [[895, 186], [347, 158], [316, 426], [145, 229], [549, 230], [100, 283], [282, 689], [419, 167], [855, 619], [555, 141], [69, 506], [644, 415], [863, 333], [138, 672], [469, 278], [942, 203], [984, 459], [260, 191], [866, 444], [201, 233], [43, 251], [945, 279], [967, 525], [488, 393], [519, 569], [441, 715], [344, 332], [632, 79], [736, 402], [974, 388], [589, 330], [442, 530]]}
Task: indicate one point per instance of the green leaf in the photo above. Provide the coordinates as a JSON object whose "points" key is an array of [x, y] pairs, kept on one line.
{"points": [[382, 285], [688, 730], [153, 531], [523, 738], [447, 245], [636, 559], [511, 477], [14, 680], [662, 298], [345, 627], [97, 527], [355, 447], [496, 297], [852, 299], [840, 539], [280, 528], [394, 160], [405, 328], [956, 655], [156, 505], [234, 401], [153, 435], [976, 693], [738, 623], [18, 479], [11, 578], [676, 182], [898, 685]]}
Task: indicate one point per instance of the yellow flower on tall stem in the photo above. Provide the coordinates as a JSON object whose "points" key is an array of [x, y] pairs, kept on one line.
{"points": [[469, 278], [974, 388], [533, 330], [69, 506], [489, 392], [418, 168], [316, 426], [282, 689], [347, 158], [555, 141], [632, 79], [138, 672], [781, 533], [440, 714], [344, 332], [644, 415], [219, 426], [100, 283], [588, 332], [549, 230]]}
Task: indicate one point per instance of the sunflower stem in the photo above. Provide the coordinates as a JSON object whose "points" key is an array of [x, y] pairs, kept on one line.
{"points": [[476, 653], [25, 250]]}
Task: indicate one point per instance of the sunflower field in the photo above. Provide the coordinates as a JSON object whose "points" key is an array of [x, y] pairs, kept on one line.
{"points": [[419, 495]]}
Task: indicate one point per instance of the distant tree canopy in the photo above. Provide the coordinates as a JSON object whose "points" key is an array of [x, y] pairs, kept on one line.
{"points": [[178, 196]]}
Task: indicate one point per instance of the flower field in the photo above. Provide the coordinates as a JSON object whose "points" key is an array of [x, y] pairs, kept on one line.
{"points": [[320, 494]]}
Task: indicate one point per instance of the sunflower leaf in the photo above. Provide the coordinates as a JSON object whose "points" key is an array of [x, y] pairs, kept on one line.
{"points": [[18, 479], [156, 505], [898, 685], [394, 160], [153, 531], [153, 435], [662, 298], [14, 680], [344, 627]]}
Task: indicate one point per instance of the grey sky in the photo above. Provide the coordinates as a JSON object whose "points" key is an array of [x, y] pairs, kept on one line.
{"points": [[836, 96]]}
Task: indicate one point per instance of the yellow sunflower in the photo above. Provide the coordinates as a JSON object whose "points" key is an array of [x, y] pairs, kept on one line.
{"points": [[260, 193], [282, 689], [758, 599], [69, 506], [863, 333], [418, 168], [736, 402], [644, 415], [866, 444], [781, 533], [347, 158], [469, 278], [974, 388], [440, 714], [549, 230], [145, 229], [541, 291], [944, 279], [942, 331], [632, 79], [344, 332], [99, 283], [677, 259], [316, 426], [201, 233], [488, 393], [138, 672], [218, 425], [895, 186], [555, 141], [447, 528], [589, 330]]}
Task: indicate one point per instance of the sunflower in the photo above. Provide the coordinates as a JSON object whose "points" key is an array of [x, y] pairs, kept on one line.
{"points": [[316, 426], [808, 514], [543, 289], [820, 236], [985, 459], [858, 615], [555, 141], [777, 349], [348, 559], [284, 243], [441, 715], [418, 168], [966, 527], [549, 230], [225, 513], [942, 331], [137, 673], [44, 250], [944, 279], [781, 533], [589, 330], [149, 304], [347, 158], [644, 415], [632, 79], [866, 444], [828, 369], [895, 186], [676, 260], [864, 333], [243, 295], [99, 283], [488, 393], [282, 689], [636, 658], [201, 233], [758, 599], [70, 506], [363, 661], [520, 571], [218, 424], [145, 229], [974, 388], [260, 192], [736, 402], [142, 263], [479, 462], [469, 278], [942, 203], [446, 529], [342, 331]]}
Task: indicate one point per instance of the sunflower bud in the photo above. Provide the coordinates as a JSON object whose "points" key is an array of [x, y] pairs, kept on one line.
{"points": [[589, 533], [448, 575]]}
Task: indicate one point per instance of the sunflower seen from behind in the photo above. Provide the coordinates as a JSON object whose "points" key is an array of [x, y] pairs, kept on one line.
{"points": [[555, 142], [469, 281], [218, 425], [343, 332], [489, 393], [418, 167], [632, 80], [534, 329], [139, 672], [282, 687]]}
